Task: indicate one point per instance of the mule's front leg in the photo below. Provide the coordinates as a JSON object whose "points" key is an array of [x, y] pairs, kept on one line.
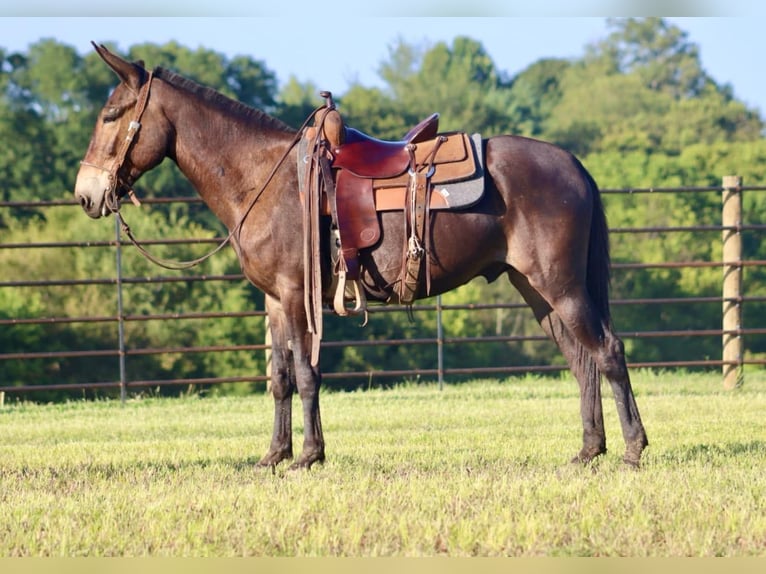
{"points": [[281, 447], [282, 387], [309, 379], [291, 370]]}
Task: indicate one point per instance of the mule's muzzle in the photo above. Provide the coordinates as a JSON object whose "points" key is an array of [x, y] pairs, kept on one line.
{"points": [[90, 207]]}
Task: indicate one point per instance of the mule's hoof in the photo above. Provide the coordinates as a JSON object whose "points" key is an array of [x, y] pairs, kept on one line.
{"points": [[631, 463], [273, 458], [306, 460], [633, 452], [585, 457]]}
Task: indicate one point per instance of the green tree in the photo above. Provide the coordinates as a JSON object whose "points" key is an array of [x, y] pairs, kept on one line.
{"points": [[534, 93], [375, 112], [46, 110], [241, 77], [296, 101], [459, 81], [658, 52], [644, 89]]}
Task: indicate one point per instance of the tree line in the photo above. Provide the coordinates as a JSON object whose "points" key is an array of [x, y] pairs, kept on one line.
{"points": [[637, 107]]}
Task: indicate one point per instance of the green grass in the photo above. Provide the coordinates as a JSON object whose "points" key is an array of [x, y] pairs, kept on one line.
{"points": [[478, 469]]}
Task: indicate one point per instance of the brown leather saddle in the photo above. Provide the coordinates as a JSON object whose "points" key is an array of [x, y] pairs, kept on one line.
{"points": [[360, 175]]}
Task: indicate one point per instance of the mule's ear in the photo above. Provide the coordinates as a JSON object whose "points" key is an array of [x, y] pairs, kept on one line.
{"points": [[131, 74]]}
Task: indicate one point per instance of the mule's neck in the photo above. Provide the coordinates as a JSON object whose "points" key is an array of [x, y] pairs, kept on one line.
{"points": [[227, 153]]}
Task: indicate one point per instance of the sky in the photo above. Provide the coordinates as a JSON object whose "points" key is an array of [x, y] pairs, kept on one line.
{"points": [[333, 51]]}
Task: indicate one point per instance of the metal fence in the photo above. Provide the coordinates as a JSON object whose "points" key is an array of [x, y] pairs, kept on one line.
{"points": [[733, 297]]}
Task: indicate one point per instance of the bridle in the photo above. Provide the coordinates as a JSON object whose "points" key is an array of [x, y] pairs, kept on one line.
{"points": [[118, 187], [112, 194]]}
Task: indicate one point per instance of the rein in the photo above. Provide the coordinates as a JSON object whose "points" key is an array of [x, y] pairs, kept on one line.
{"points": [[112, 196]]}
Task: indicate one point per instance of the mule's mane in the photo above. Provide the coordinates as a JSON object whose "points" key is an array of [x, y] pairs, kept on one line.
{"points": [[220, 101]]}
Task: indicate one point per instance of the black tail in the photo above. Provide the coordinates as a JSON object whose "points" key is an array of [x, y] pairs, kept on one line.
{"points": [[598, 280], [599, 263]]}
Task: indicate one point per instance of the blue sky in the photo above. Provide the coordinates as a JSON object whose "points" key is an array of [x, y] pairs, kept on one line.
{"points": [[333, 51]]}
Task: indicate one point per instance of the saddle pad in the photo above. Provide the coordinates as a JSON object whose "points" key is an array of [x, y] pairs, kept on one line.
{"points": [[458, 185], [453, 161]]}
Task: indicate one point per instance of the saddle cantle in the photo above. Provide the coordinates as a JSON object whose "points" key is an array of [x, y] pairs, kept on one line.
{"points": [[362, 175]]}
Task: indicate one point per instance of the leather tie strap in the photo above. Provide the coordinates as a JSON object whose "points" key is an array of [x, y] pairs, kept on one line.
{"points": [[416, 218]]}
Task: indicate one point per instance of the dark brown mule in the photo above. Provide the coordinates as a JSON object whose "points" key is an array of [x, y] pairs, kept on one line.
{"points": [[540, 222]]}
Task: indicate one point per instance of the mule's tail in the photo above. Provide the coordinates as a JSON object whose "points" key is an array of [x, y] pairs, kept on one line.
{"points": [[598, 283], [599, 264]]}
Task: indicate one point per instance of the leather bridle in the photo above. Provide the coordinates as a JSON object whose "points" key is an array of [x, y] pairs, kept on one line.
{"points": [[119, 187]]}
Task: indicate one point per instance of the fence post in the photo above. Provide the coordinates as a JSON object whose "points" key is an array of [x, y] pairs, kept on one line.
{"points": [[732, 351], [439, 342], [120, 313], [267, 351]]}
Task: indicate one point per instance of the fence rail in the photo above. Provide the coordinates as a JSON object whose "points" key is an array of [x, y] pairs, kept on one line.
{"points": [[732, 299]]}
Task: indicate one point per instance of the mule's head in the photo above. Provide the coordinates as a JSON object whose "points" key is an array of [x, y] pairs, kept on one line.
{"points": [[121, 147]]}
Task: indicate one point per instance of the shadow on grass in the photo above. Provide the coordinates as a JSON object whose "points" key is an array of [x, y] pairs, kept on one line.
{"points": [[711, 453], [131, 469]]}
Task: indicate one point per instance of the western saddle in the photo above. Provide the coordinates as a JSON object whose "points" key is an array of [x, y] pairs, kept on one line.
{"points": [[351, 176]]}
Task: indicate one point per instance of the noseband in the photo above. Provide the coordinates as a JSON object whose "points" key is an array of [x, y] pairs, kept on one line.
{"points": [[112, 193]]}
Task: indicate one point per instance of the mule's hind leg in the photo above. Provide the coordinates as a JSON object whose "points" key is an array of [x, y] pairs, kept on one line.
{"points": [[582, 367], [595, 334], [611, 361]]}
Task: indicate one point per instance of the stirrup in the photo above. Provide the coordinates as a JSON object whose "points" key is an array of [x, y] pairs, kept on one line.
{"points": [[339, 302]]}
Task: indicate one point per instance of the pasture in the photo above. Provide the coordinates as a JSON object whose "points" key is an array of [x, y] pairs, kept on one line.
{"points": [[478, 469]]}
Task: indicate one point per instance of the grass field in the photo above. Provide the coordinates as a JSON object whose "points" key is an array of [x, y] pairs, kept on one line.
{"points": [[478, 469]]}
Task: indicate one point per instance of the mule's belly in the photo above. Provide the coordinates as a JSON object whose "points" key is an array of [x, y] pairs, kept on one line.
{"points": [[462, 245]]}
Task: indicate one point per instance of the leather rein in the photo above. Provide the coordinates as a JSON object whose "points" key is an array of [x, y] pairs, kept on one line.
{"points": [[118, 187]]}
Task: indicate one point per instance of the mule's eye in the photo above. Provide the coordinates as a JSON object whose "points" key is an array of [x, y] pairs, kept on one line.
{"points": [[111, 113]]}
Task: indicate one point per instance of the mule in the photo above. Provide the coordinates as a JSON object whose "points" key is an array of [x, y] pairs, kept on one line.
{"points": [[540, 223]]}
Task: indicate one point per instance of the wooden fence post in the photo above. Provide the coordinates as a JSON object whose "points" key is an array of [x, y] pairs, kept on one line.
{"points": [[732, 348], [439, 342], [267, 341]]}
